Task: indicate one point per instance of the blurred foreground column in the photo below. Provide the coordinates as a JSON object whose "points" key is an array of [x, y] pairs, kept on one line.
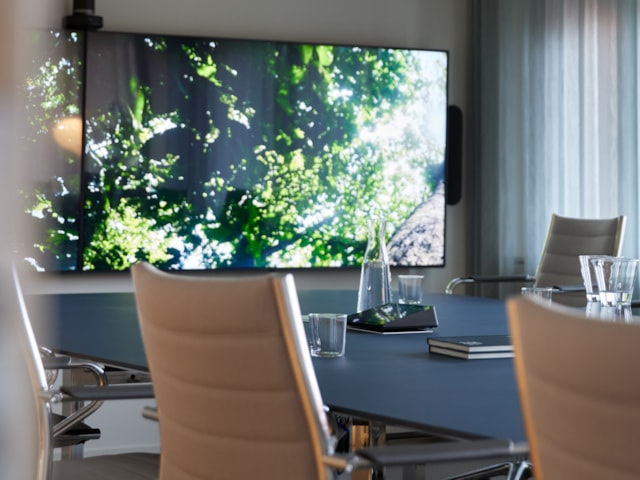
{"points": [[18, 452]]}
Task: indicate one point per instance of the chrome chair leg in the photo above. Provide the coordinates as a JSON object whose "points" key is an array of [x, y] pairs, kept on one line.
{"points": [[523, 470]]}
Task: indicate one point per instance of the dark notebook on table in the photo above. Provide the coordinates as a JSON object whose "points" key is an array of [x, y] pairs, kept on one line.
{"points": [[472, 346], [394, 318]]}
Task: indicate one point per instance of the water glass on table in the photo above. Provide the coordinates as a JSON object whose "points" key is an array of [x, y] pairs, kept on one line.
{"points": [[544, 294], [587, 271], [616, 278], [327, 334], [410, 289]]}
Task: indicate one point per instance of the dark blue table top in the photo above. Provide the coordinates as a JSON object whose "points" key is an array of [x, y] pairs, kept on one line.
{"points": [[390, 378]]}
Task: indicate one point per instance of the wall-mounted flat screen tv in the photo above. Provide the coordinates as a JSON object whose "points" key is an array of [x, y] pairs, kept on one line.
{"points": [[214, 153]]}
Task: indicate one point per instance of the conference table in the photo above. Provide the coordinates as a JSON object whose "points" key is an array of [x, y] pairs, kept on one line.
{"points": [[391, 379]]}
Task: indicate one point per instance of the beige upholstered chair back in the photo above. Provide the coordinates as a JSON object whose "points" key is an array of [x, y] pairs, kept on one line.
{"points": [[566, 239], [579, 390], [235, 388]]}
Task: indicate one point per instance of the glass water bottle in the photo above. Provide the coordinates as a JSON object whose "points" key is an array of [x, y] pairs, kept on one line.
{"points": [[375, 277]]}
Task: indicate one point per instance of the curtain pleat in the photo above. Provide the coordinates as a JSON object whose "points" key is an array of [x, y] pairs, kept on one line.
{"points": [[554, 125]]}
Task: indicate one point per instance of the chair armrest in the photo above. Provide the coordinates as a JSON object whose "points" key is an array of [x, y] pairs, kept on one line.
{"points": [[96, 395], [454, 283], [56, 362], [53, 362], [425, 454], [125, 391], [569, 289], [150, 413], [422, 454]]}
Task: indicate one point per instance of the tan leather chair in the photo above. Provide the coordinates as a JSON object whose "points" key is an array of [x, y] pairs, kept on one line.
{"points": [[567, 238], [69, 428], [579, 390], [134, 466], [236, 392]]}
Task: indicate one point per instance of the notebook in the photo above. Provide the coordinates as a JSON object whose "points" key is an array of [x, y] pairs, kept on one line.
{"points": [[470, 356], [472, 346], [473, 343]]}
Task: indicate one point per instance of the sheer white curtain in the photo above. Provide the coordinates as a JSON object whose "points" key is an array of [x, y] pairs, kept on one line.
{"points": [[553, 123]]}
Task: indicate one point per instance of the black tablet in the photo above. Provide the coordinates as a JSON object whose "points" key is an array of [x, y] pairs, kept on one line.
{"points": [[394, 318]]}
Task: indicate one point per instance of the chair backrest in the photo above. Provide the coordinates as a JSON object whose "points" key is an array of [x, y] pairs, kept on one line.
{"points": [[566, 239], [236, 392], [579, 391]]}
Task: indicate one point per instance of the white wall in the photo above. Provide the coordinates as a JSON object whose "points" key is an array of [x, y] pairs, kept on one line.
{"points": [[438, 24]]}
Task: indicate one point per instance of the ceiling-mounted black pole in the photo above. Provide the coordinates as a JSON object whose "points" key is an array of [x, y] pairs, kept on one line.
{"points": [[83, 20], [83, 17]]}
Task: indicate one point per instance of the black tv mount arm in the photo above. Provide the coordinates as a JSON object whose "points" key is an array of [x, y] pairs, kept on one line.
{"points": [[83, 17]]}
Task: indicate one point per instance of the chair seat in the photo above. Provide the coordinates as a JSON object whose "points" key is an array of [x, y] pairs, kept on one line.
{"points": [[128, 466]]}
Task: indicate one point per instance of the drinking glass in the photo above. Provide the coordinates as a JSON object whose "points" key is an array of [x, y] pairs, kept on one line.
{"points": [[592, 309], [410, 289], [589, 276], [328, 332], [616, 277], [541, 293]]}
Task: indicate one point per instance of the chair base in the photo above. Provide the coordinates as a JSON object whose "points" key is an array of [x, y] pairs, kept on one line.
{"points": [[77, 435]]}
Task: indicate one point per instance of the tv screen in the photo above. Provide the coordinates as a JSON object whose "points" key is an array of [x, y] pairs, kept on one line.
{"points": [[214, 153]]}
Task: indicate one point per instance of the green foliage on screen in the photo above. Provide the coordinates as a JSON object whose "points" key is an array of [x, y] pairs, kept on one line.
{"points": [[238, 154]]}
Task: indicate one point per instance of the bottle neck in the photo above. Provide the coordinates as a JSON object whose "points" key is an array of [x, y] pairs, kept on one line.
{"points": [[376, 244]]}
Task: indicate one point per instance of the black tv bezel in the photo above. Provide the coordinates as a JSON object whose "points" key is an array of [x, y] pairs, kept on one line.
{"points": [[85, 36]]}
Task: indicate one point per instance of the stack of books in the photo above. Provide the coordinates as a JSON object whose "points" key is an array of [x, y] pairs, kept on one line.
{"points": [[472, 346]]}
